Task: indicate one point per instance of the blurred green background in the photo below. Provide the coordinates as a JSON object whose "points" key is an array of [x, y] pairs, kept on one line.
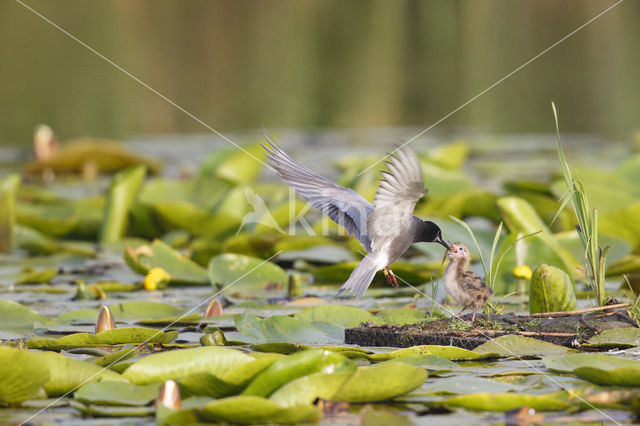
{"points": [[316, 64]]}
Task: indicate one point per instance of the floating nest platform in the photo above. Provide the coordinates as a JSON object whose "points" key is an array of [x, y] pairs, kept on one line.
{"points": [[571, 328]]}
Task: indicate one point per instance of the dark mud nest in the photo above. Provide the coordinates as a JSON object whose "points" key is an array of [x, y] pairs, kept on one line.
{"points": [[569, 329]]}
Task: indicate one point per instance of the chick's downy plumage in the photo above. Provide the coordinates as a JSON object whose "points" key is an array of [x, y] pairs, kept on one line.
{"points": [[464, 287]]}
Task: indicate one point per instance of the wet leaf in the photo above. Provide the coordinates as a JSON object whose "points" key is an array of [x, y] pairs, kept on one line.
{"points": [[116, 336], [345, 316], [22, 375], [597, 368], [306, 389], [492, 401], [116, 393], [254, 409], [616, 338], [280, 347], [244, 270], [115, 357], [297, 365], [551, 290], [14, 316], [37, 276], [122, 194], [230, 383], [163, 366], [181, 269], [381, 382], [109, 156], [449, 352], [279, 328], [463, 384], [520, 346], [65, 374], [111, 411], [180, 214], [234, 165]]}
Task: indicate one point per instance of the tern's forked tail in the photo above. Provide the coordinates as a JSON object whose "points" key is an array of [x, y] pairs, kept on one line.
{"points": [[361, 277]]}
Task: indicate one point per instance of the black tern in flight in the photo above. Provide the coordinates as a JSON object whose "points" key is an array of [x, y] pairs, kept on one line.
{"points": [[385, 228]]}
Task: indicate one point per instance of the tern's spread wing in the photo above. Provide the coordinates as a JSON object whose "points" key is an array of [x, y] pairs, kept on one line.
{"points": [[399, 191], [344, 206]]}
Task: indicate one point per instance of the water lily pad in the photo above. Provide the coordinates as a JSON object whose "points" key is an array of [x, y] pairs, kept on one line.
{"points": [[616, 338], [449, 352], [492, 401], [380, 382], [318, 254], [278, 328], [551, 290], [22, 375], [116, 393], [16, 317], [180, 214], [598, 368], [254, 409], [36, 243], [37, 276], [297, 365], [228, 268], [116, 336], [174, 364], [134, 310], [122, 194], [66, 374], [230, 383], [306, 389], [622, 223], [111, 411], [520, 346], [160, 255], [345, 316], [464, 384], [234, 165]]}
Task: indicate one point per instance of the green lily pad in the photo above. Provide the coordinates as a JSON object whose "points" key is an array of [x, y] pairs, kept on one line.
{"points": [[66, 374], [37, 276], [622, 223], [449, 352], [551, 290], [122, 194], [228, 268], [115, 357], [116, 393], [278, 328], [174, 364], [111, 411], [22, 375], [8, 188], [598, 368], [306, 389], [230, 383], [297, 365], [463, 384], [234, 165], [381, 382], [492, 401], [180, 214], [246, 409], [345, 316], [616, 338], [116, 336], [139, 309], [160, 255], [520, 346], [16, 317], [35, 243]]}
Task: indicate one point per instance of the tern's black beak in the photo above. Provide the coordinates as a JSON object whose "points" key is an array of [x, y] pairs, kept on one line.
{"points": [[439, 240]]}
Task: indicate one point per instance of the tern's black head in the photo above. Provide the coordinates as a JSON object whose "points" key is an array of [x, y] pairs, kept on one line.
{"points": [[429, 232]]}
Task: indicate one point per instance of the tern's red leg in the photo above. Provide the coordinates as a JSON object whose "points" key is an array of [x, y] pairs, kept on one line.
{"points": [[389, 275]]}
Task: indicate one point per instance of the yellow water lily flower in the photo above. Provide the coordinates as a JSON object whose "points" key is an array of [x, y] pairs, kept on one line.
{"points": [[156, 277]]}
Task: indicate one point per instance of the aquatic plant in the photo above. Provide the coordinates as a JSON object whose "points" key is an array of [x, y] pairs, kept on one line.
{"points": [[594, 269]]}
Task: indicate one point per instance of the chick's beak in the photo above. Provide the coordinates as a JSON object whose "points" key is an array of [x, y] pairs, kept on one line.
{"points": [[439, 240]]}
